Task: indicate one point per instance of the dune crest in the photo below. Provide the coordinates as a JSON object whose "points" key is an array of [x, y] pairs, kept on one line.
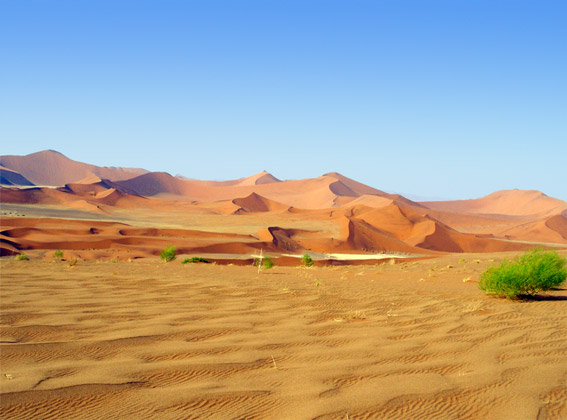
{"points": [[255, 203]]}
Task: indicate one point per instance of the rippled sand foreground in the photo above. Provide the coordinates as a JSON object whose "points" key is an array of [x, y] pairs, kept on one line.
{"points": [[153, 340]]}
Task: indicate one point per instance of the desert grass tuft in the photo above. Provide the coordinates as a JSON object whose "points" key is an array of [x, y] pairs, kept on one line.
{"points": [[168, 254]]}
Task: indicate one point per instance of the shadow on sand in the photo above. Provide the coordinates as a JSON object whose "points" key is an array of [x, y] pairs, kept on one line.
{"points": [[542, 298]]}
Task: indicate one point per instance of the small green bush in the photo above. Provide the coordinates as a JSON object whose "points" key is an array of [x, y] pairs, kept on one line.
{"points": [[526, 275], [58, 254], [307, 261], [168, 254], [195, 260], [267, 263], [22, 257]]}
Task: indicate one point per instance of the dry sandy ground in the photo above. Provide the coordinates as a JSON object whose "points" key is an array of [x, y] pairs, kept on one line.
{"points": [[154, 340]]}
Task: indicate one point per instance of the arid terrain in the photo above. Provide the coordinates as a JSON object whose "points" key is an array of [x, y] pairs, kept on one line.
{"points": [[388, 324], [146, 339]]}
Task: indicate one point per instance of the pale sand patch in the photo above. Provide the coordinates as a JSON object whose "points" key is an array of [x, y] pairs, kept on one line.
{"points": [[349, 257]]}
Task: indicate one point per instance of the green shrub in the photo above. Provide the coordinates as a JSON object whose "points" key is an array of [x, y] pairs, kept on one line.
{"points": [[307, 261], [58, 254], [526, 275], [22, 257], [267, 263], [168, 254], [195, 260]]}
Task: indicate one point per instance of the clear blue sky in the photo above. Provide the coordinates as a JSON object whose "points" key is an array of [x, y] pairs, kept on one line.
{"points": [[448, 99]]}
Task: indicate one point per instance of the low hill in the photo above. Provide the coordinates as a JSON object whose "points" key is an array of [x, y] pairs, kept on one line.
{"points": [[521, 203]]}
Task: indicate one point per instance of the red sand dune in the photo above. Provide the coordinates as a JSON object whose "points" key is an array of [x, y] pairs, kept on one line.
{"points": [[255, 203], [330, 190], [54, 169], [507, 202], [421, 231], [345, 215]]}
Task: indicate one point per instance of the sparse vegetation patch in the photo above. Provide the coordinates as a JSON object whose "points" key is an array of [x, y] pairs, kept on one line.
{"points": [[22, 257], [195, 260], [526, 275]]}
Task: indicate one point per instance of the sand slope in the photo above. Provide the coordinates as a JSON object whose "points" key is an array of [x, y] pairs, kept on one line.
{"points": [[11, 177], [152, 340]]}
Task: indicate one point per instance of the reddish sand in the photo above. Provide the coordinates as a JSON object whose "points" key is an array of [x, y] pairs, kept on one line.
{"points": [[328, 214], [361, 224]]}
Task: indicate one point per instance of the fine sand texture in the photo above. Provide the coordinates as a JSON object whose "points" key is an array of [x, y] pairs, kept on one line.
{"points": [[146, 339]]}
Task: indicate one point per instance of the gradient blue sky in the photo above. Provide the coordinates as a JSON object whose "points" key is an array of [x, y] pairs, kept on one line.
{"points": [[448, 99]]}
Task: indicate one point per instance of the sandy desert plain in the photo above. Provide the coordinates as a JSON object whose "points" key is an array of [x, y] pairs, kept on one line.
{"points": [[388, 324]]}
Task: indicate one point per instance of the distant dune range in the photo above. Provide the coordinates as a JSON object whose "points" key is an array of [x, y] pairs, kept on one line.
{"points": [[52, 168], [327, 214]]}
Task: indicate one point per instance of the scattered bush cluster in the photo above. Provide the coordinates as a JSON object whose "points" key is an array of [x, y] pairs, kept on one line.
{"points": [[168, 254], [526, 275], [22, 257]]}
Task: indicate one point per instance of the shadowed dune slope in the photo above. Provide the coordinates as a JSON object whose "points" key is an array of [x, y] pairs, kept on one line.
{"points": [[78, 195], [255, 203], [11, 177], [362, 190], [52, 168], [96, 187], [421, 231], [154, 183], [507, 202]]}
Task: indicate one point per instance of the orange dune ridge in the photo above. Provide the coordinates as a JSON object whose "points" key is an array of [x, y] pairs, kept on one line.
{"points": [[327, 214], [329, 190]]}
